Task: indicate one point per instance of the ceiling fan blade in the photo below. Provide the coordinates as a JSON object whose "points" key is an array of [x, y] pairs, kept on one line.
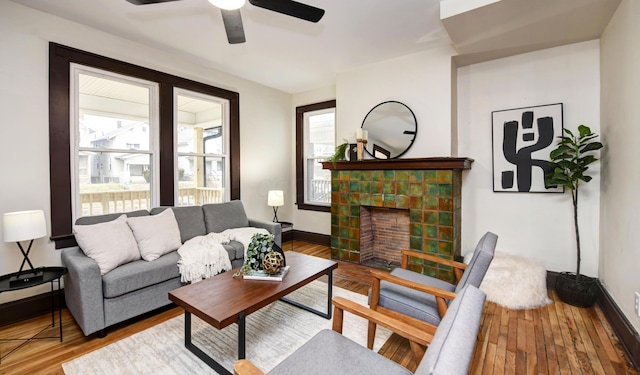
{"points": [[233, 24], [291, 8], [147, 2]]}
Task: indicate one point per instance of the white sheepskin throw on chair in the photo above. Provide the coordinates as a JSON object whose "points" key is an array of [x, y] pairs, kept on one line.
{"points": [[515, 282]]}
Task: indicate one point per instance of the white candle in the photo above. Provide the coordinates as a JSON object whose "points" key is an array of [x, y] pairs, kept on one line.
{"points": [[365, 135], [359, 134]]}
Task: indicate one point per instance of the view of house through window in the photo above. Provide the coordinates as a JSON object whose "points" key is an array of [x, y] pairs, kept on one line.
{"points": [[319, 144], [202, 148], [114, 149]]}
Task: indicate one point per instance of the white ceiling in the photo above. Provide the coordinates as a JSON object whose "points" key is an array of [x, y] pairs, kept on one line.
{"points": [[295, 56], [281, 52]]}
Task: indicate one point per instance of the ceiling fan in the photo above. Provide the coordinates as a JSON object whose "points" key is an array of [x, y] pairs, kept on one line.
{"points": [[233, 20]]}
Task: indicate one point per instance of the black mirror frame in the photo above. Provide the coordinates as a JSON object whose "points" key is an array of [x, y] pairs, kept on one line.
{"points": [[415, 133]]}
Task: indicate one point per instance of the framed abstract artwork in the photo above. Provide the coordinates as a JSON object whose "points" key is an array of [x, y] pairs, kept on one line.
{"points": [[522, 141]]}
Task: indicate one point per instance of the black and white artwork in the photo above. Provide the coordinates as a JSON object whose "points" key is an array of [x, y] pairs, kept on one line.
{"points": [[522, 141]]}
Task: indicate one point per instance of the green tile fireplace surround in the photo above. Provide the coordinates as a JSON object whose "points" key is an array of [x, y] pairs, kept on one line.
{"points": [[428, 188]]}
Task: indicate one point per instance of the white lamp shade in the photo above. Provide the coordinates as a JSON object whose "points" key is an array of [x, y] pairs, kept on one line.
{"points": [[23, 225], [275, 198], [228, 4]]}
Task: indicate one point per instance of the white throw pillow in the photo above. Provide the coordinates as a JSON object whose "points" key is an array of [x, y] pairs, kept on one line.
{"points": [[156, 234], [110, 244]]}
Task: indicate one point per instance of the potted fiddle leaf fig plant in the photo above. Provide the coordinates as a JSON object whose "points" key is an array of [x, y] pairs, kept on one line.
{"points": [[570, 161]]}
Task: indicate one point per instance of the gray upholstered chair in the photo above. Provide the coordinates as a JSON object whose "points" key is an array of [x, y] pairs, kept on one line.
{"points": [[328, 352], [420, 299]]}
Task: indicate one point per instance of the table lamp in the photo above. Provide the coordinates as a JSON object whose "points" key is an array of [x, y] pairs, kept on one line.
{"points": [[275, 199], [23, 226]]}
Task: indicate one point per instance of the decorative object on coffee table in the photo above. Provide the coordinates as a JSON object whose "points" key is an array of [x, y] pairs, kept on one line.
{"points": [[24, 226], [272, 263], [260, 246], [570, 161]]}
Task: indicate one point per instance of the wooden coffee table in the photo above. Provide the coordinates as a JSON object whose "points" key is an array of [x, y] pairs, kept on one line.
{"points": [[223, 300]]}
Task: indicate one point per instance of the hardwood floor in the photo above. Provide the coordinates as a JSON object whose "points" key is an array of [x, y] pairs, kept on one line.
{"points": [[556, 339]]}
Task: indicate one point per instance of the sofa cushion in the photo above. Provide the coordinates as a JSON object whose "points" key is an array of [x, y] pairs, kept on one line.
{"points": [[156, 235], [190, 220], [140, 274], [221, 216], [110, 244], [235, 250]]}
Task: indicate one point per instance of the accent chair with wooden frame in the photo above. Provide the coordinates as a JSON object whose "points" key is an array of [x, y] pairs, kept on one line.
{"points": [[328, 352], [422, 300]]}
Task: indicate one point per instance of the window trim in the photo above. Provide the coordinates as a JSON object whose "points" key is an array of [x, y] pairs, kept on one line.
{"points": [[300, 160], [60, 58]]}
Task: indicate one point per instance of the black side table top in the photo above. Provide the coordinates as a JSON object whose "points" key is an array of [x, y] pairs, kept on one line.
{"points": [[48, 274], [285, 224]]}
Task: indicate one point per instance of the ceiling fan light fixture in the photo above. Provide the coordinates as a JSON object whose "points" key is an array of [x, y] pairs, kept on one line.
{"points": [[228, 4]]}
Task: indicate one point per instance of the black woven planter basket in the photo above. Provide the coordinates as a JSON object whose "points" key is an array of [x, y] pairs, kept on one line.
{"points": [[582, 292]]}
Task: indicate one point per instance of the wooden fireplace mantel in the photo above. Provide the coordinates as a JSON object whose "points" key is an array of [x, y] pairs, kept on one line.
{"points": [[401, 164]]}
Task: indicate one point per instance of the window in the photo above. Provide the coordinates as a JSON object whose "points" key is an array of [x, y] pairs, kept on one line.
{"points": [[112, 153], [202, 148], [129, 151], [315, 142]]}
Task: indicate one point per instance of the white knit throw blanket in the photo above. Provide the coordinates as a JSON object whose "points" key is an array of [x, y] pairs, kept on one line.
{"points": [[244, 235], [204, 256]]}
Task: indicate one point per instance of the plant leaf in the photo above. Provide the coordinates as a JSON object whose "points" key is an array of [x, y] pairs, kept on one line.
{"points": [[584, 131]]}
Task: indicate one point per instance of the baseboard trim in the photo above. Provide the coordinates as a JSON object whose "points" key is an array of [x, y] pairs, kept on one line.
{"points": [[627, 335], [30, 307], [318, 239]]}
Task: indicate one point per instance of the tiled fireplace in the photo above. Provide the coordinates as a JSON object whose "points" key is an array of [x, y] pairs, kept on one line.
{"points": [[379, 207]]}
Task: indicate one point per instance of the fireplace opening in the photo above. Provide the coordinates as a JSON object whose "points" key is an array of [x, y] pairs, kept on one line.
{"points": [[384, 232]]}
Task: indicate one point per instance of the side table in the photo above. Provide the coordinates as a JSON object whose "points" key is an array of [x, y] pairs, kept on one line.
{"points": [[49, 275], [287, 227]]}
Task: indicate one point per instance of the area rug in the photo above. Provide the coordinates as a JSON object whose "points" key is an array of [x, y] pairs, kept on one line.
{"points": [[273, 333], [515, 282]]}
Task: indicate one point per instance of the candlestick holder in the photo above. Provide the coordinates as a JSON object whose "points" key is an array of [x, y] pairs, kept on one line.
{"points": [[361, 144]]}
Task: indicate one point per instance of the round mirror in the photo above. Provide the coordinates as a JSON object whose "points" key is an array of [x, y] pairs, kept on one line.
{"points": [[391, 128]]}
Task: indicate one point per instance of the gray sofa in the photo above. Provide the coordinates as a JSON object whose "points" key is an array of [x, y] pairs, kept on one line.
{"points": [[98, 301]]}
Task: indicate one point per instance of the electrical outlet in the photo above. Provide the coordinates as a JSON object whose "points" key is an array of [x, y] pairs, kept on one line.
{"points": [[637, 305]]}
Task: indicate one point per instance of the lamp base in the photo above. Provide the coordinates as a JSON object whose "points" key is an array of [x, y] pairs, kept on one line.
{"points": [[26, 277]]}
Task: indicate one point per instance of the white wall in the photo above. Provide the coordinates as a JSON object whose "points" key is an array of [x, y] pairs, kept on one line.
{"points": [[25, 34], [620, 205], [422, 81], [539, 226]]}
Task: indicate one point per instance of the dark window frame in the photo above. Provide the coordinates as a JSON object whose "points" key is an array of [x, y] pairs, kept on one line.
{"points": [[300, 160], [60, 59]]}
